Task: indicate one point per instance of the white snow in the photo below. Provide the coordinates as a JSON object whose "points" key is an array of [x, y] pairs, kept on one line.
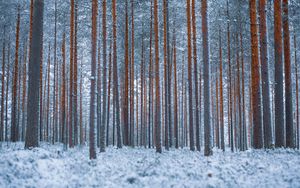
{"points": [[50, 166]]}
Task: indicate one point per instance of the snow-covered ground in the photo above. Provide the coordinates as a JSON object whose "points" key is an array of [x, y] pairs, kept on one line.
{"points": [[50, 166]]}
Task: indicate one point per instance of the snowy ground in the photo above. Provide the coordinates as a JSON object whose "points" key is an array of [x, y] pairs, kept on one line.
{"points": [[50, 166]]}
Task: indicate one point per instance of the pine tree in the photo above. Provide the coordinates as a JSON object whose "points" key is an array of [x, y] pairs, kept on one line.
{"points": [[196, 76], [24, 90], [265, 75], [131, 132], [206, 76], [75, 76], [176, 135], [93, 75], [2, 91], [71, 75], [104, 107], [109, 88], [33, 82], [63, 94], [191, 125], [297, 92], [14, 125], [157, 84], [279, 117], [6, 93], [125, 105], [150, 109], [115, 75], [289, 123], [221, 93], [255, 81]]}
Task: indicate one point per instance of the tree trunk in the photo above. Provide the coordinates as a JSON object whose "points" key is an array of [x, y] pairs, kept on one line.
{"points": [[255, 81], [93, 75], [176, 136], [196, 76], [157, 84], [14, 125], [125, 105], [191, 125], [71, 76], [33, 82], [131, 137], [279, 114], [297, 93], [108, 96], [63, 100], [2, 92], [115, 75], [265, 75], [288, 78], [221, 94], [206, 67]]}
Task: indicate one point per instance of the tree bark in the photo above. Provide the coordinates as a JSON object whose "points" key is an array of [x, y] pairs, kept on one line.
{"points": [[255, 81], [157, 84], [206, 76], [191, 125], [93, 75], [279, 113], [289, 123], [14, 125], [265, 75], [34, 69]]}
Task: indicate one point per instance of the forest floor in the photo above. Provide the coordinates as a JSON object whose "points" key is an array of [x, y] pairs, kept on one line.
{"points": [[50, 166]]}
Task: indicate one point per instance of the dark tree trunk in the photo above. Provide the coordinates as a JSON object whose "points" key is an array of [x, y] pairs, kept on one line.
{"points": [[93, 80], [279, 114], [34, 70], [255, 81], [206, 76]]}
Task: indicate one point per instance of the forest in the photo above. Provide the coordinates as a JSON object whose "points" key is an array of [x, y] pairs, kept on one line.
{"points": [[149, 93]]}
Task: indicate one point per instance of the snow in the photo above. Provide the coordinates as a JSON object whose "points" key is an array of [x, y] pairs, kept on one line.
{"points": [[50, 166]]}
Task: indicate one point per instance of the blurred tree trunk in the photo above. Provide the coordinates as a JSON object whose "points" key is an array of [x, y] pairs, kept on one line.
{"points": [[221, 94], [255, 80], [194, 26], [33, 83], [108, 96], [189, 45], [289, 123], [115, 75], [63, 94], [157, 84], [125, 105], [2, 91], [93, 80], [297, 92], [14, 125], [279, 113], [206, 67], [265, 75]]}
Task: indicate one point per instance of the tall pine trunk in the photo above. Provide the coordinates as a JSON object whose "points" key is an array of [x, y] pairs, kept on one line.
{"points": [[14, 112], [289, 123], [191, 125], [255, 81], [115, 75], [206, 76], [93, 80], [265, 75], [157, 84], [33, 76], [221, 93], [194, 26], [279, 113]]}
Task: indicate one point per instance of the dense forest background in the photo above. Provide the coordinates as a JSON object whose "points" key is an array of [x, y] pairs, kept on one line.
{"points": [[229, 43]]}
